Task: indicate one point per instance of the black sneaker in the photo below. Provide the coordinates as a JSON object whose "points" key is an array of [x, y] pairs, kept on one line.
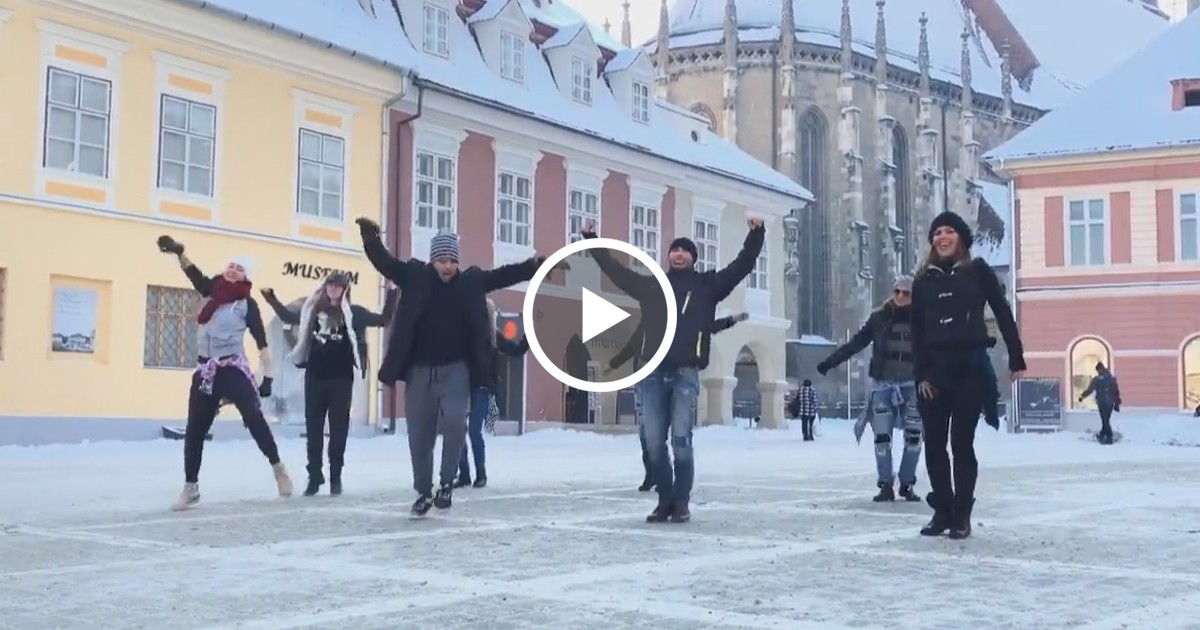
{"points": [[886, 493], [906, 493], [314, 485], [444, 497], [480, 482], [462, 482], [335, 487], [680, 512], [421, 506], [661, 513]]}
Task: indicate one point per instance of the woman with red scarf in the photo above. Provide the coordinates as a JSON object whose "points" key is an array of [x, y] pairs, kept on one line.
{"points": [[222, 369]]}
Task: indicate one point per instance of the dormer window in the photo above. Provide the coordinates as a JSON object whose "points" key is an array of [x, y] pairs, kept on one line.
{"points": [[1191, 98], [641, 102], [1185, 93], [436, 39], [581, 80], [512, 57]]}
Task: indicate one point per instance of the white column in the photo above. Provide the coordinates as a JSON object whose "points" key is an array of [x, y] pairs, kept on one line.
{"points": [[773, 394], [719, 395]]}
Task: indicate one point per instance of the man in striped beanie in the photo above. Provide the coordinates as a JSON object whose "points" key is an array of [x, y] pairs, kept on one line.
{"points": [[443, 253]]}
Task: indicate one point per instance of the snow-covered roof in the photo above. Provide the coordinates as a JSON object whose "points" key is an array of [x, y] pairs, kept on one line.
{"points": [[623, 59], [1075, 40], [1128, 108], [996, 251], [558, 14]]}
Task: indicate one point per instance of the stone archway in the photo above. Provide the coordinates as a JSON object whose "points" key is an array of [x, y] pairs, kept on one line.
{"points": [[747, 400]]}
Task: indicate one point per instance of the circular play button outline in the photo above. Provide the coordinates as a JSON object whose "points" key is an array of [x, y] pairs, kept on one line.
{"points": [[535, 283]]}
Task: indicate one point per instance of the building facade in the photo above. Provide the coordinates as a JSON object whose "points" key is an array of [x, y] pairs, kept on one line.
{"points": [[882, 110], [127, 120], [1108, 264], [524, 125]]}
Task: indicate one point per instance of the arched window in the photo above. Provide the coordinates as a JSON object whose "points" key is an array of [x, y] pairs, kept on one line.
{"points": [[1190, 364], [815, 265], [904, 219], [1085, 354], [703, 110]]}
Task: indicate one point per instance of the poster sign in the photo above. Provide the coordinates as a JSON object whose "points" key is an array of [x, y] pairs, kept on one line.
{"points": [[74, 323], [1039, 404]]}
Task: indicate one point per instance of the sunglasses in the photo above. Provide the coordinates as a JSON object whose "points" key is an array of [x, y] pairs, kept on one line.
{"points": [[901, 292]]}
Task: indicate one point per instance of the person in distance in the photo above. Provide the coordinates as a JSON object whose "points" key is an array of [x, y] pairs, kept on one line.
{"points": [[803, 405], [439, 349], [950, 342], [331, 348], [627, 353], [668, 396], [893, 399], [1108, 399]]}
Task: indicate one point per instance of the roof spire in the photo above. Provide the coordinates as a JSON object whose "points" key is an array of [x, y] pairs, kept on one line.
{"points": [[730, 28], [1006, 78], [881, 61], [663, 49], [845, 34], [626, 27], [787, 30], [965, 71], [923, 57]]}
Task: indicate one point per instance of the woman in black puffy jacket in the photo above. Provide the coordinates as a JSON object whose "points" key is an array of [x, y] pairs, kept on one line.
{"points": [[954, 380]]}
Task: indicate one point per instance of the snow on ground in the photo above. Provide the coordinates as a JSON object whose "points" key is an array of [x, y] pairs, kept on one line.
{"points": [[784, 535]]}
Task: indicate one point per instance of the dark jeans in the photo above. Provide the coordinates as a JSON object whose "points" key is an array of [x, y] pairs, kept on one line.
{"points": [[806, 424], [327, 398], [950, 419], [1106, 412], [668, 403], [481, 399], [231, 384]]}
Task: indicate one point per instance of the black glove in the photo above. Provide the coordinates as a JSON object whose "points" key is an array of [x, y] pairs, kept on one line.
{"points": [[585, 233], [367, 226], [1081, 399], [823, 368], [264, 389], [1117, 407], [168, 245]]}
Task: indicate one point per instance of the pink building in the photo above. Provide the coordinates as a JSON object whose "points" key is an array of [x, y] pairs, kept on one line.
{"points": [[1107, 261], [524, 125]]}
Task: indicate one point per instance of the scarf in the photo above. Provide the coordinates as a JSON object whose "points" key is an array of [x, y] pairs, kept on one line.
{"points": [[223, 292]]}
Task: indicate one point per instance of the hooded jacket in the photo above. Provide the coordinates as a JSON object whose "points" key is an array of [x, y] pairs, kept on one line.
{"points": [[357, 317]]}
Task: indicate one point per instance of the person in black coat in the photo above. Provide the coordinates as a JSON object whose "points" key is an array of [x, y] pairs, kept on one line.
{"points": [[331, 347], [1108, 399], [439, 348], [950, 341]]}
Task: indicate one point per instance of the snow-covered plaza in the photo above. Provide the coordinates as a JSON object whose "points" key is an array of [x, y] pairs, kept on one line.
{"points": [[1068, 534]]}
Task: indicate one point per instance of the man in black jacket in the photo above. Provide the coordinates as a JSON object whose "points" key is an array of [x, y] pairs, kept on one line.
{"points": [[668, 396], [439, 348], [1108, 399]]}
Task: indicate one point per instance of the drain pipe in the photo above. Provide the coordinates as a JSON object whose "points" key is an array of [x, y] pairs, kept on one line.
{"points": [[1013, 220], [386, 194]]}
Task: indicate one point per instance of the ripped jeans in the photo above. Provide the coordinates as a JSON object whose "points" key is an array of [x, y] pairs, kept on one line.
{"points": [[894, 406], [668, 408]]}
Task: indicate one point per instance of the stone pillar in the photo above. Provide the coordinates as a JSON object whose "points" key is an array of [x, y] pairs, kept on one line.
{"points": [[773, 394], [718, 393]]}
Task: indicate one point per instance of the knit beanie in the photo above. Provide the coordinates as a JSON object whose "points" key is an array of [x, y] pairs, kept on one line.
{"points": [[955, 222], [246, 263], [444, 245], [686, 245]]}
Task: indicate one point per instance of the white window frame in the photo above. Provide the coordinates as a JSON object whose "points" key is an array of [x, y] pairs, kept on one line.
{"points": [[514, 201], [760, 278], [518, 162], [647, 228], [336, 120], [1087, 204], [1194, 218], [442, 143], [512, 57], [435, 30], [705, 245], [79, 111], [577, 207], [640, 97], [581, 80], [438, 180], [191, 138], [324, 164]]}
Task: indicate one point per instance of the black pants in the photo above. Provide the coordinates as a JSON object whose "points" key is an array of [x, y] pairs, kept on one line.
{"points": [[806, 424], [231, 384], [950, 419], [327, 398], [1106, 412]]}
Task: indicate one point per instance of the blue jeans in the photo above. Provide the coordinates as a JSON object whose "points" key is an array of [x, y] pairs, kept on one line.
{"points": [[668, 405], [480, 399], [894, 406]]}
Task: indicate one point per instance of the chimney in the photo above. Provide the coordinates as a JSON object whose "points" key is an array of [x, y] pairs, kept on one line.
{"points": [[1185, 93]]}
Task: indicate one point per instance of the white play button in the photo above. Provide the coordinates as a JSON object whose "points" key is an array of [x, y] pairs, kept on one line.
{"points": [[598, 315]]}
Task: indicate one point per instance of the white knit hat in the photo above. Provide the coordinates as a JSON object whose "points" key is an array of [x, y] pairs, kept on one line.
{"points": [[246, 262]]}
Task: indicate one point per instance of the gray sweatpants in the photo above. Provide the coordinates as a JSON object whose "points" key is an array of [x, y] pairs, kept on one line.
{"points": [[435, 401]]}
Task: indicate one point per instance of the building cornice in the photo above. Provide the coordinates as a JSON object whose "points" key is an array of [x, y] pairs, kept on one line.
{"points": [[240, 43], [1090, 161]]}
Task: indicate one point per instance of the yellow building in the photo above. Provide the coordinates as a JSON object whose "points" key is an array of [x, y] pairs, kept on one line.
{"points": [[125, 119]]}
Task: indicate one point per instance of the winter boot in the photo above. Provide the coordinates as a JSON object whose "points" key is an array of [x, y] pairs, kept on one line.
{"points": [[463, 481], [421, 506], [335, 484], [444, 497], [680, 512], [314, 484], [960, 524], [886, 493], [661, 513], [906, 493], [282, 480], [480, 482], [647, 484], [943, 515], [189, 496]]}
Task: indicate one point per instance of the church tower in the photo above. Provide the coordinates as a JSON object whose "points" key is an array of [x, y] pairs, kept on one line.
{"points": [[729, 42], [854, 230]]}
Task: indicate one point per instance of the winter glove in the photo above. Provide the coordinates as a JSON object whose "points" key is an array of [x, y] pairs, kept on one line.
{"points": [[1117, 407], [168, 245], [264, 390], [823, 368], [367, 226]]}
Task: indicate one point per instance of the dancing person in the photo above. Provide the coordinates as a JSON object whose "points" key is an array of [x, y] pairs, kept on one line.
{"points": [[803, 405], [222, 370], [483, 401], [331, 348], [950, 340], [1108, 399], [628, 352], [668, 396], [438, 347], [893, 399]]}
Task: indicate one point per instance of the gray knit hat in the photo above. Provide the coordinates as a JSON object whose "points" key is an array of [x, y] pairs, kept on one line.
{"points": [[444, 245]]}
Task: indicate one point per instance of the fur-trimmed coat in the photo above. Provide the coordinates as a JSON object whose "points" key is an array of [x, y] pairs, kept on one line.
{"points": [[359, 319]]}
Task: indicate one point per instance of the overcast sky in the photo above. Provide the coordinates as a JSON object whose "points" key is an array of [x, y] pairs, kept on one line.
{"points": [[643, 15]]}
